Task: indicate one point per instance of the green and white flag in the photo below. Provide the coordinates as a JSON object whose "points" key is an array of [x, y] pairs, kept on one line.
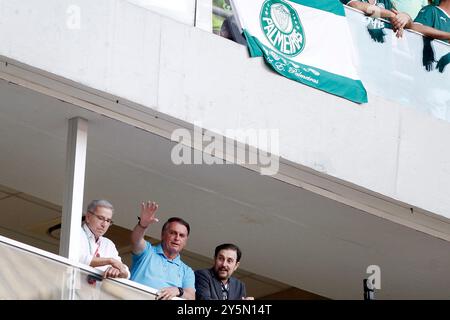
{"points": [[307, 41]]}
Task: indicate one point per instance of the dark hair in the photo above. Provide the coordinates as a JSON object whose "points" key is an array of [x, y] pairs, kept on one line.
{"points": [[229, 246], [180, 221]]}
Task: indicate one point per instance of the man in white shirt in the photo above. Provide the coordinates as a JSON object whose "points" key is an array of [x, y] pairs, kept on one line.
{"points": [[97, 251]]}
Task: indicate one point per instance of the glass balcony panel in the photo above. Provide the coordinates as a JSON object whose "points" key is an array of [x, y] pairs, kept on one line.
{"points": [[26, 275]]}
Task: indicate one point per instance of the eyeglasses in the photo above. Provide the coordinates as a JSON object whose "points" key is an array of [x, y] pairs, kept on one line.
{"points": [[109, 221]]}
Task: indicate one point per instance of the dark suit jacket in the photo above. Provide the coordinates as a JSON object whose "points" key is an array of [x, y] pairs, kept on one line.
{"points": [[207, 286]]}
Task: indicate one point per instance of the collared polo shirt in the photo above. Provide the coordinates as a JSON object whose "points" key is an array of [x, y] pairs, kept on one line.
{"points": [[152, 268]]}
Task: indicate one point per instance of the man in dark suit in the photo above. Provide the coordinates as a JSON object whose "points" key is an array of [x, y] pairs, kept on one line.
{"points": [[217, 283]]}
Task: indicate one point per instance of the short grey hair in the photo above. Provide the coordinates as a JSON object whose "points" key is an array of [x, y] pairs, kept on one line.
{"points": [[99, 203]]}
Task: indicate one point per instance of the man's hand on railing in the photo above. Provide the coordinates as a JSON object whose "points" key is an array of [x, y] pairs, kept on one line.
{"points": [[123, 270], [111, 272], [167, 293]]}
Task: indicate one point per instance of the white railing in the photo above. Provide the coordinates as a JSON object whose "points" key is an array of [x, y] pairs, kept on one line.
{"points": [[27, 272]]}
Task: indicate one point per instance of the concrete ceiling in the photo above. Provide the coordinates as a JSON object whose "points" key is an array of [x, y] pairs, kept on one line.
{"points": [[287, 234]]}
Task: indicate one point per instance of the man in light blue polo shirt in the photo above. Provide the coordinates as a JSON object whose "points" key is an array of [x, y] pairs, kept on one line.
{"points": [[160, 266]]}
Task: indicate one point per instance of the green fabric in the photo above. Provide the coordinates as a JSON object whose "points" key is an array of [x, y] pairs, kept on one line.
{"points": [[377, 35], [347, 88], [252, 46], [326, 5], [435, 17], [443, 61], [428, 54]]}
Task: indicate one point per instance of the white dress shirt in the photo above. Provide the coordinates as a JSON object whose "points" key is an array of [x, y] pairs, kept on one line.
{"points": [[103, 248]]}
